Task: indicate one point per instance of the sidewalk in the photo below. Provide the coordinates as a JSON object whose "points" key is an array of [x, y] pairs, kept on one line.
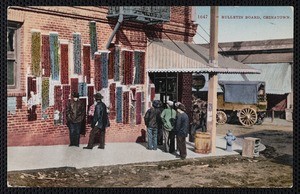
{"points": [[41, 157]]}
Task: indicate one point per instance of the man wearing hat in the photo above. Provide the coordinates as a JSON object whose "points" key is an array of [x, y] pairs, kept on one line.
{"points": [[75, 113], [168, 116], [153, 121], [99, 122], [181, 128]]}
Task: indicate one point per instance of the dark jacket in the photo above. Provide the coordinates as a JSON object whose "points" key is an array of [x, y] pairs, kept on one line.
{"points": [[75, 111], [182, 124], [152, 118], [100, 116]]}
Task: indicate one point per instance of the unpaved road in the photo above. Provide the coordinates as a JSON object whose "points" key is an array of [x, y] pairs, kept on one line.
{"points": [[272, 169]]}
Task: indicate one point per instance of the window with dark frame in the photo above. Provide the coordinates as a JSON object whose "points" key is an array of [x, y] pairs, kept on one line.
{"points": [[12, 54], [165, 85]]}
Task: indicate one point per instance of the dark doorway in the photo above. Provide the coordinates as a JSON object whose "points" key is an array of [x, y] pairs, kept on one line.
{"points": [[166, 85]]}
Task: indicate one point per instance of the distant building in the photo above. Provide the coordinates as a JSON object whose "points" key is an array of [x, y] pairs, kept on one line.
{"points": [[274, 58]]}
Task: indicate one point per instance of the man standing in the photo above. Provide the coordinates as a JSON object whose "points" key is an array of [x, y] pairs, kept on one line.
{"points": [[99, 122], [160, 137], [152, 121], [182, 125], [75, 113], [168, 116]]}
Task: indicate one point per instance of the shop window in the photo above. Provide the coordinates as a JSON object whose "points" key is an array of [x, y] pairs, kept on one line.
{"points": [[13, 55]]}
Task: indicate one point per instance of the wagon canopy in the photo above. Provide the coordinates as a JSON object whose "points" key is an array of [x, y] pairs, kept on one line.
{"points": [[244, 92]]}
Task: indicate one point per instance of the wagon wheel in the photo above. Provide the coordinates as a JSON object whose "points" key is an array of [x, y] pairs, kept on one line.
{"points": [[247, 117], [221, 117], [259, 121]]}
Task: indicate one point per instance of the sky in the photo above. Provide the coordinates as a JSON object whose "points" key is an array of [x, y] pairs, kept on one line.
{"points": [[252, 25]]}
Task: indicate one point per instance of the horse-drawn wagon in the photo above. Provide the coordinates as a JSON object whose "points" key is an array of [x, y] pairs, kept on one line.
{"points": [[244, 99]]}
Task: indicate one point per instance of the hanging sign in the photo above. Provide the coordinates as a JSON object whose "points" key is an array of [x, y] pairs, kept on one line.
{"points": [[198, 81]]}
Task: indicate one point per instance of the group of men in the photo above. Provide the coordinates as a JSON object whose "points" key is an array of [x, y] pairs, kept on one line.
{"points": [[172, 121], [75, 114]]}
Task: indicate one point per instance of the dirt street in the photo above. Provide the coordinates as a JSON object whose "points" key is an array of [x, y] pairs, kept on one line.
{"points": [[272, 169]]}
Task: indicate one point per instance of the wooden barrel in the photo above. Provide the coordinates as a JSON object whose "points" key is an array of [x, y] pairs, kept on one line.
{"points": [[202, 143]]}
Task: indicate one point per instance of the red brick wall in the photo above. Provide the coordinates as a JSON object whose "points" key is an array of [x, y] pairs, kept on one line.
{"points": [[43, 132], [185, 94], [180, 28], [65, 21], [39, 132]]}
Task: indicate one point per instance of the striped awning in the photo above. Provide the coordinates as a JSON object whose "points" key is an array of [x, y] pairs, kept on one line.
{"points": [[175, 56]]}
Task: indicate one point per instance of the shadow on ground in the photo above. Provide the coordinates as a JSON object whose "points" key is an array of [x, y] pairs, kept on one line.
{"points": [[279, 145]]}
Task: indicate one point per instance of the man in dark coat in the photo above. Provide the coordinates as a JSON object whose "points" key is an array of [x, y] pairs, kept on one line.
{"points": [[75, 113], [160, 138], [181, 128], [153, 122], [99, 123]]}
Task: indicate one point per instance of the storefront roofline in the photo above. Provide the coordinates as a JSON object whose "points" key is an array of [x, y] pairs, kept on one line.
{"points": [[207, 70], [176, 56]]}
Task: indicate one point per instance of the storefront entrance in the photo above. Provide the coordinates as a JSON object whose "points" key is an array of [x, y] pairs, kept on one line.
{"points": [[166, 86]]}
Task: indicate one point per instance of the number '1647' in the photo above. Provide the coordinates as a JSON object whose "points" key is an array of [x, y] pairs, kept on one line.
{"points": [[202, 16]]}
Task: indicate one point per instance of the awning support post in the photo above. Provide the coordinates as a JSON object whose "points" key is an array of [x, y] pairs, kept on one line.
{"points": [[213, 79]]}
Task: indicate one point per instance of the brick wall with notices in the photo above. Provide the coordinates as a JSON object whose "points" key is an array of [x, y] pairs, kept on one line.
{"points": [[61, 50]]}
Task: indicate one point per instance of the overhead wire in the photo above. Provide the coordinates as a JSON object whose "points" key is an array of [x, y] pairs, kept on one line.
{"points": [[209, 37]]}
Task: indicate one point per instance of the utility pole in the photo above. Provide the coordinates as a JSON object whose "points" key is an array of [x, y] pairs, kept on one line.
{"points": [[213, 78]]}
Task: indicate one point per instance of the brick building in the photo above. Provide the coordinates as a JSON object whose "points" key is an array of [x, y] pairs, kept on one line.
{"points": [[53, 51], [51, 54]]}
